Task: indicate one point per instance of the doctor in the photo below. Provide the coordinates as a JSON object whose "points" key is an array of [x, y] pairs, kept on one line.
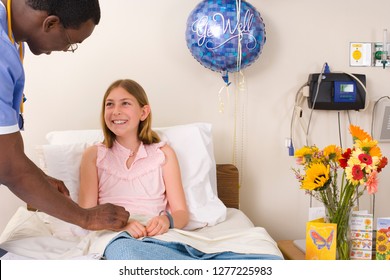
{"points": [[45, 26]]}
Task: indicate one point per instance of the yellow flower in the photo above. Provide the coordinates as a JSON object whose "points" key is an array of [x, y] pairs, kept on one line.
{"points": [[358, 133], [382, 248], [354, 174], [317, 176], [305, 154], [375, 152], [332, 152], [381, 238], [305, 151], [359, 166], [369, 146]]}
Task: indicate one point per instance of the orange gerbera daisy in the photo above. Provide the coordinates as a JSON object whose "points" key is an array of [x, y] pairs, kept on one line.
{"points": [[375, 152], [358, 133]]}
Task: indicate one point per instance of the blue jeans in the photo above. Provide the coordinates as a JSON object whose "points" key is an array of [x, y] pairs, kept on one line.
{"points": [[124, 247], [2, 252]]}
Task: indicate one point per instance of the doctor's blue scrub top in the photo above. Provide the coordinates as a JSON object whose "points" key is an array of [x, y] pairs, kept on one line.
{"points": [[11, 79]]}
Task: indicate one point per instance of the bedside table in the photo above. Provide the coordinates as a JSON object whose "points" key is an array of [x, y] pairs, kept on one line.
{"points": [[290, 251]]}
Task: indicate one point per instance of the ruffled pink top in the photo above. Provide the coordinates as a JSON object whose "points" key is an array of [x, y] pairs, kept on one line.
{"points": [[140, 188]]}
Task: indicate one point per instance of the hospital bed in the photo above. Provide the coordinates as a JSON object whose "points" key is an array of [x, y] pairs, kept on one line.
{"points": [[212, 192]]}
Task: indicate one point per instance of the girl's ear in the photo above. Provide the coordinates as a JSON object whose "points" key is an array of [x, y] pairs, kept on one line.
{"points": [[145, 112], [51, 22]]}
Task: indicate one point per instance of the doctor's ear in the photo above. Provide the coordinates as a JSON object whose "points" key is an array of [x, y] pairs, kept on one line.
{"points": [[51, 22], [145, 112]]}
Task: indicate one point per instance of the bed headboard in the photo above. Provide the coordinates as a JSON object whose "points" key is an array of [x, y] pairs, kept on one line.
{"points": [[228, 185]]}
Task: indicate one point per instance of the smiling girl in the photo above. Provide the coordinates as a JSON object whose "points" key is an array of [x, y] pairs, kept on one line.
{"points": [[132, 167]]}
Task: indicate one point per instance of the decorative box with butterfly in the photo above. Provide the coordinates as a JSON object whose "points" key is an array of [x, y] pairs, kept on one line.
{"points": [[320, 235]]}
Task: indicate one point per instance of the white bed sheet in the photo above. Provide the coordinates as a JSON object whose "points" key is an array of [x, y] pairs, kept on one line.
{"points": [[36, 235]]}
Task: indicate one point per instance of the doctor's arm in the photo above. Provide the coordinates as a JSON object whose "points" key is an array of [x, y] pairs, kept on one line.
{"points": [[29, 183]]}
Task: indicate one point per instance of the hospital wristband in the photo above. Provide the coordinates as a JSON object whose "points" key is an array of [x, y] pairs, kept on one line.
{"points": [[169, 217]]}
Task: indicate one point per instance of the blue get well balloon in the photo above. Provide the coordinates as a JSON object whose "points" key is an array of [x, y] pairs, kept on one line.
{"points": [[222, 39]]}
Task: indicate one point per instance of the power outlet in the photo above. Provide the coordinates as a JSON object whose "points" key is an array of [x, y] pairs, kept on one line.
{"points": [[360, 54], [385, 128]]}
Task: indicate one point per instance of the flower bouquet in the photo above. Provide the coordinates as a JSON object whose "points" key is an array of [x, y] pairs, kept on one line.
{"points": [[337, 178]]}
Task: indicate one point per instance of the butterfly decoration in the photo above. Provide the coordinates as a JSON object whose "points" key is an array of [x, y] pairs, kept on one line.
{"points": [[356, 243], [320, 241], [366, 244]]}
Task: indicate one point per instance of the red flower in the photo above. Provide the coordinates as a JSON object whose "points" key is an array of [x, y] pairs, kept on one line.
{"points": [[382, 164], [357, 172], [365, 158], [345, 157]]}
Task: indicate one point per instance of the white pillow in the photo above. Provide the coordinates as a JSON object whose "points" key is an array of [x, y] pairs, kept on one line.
{"points": [[90, 136], [194, 149], [63, 162]]}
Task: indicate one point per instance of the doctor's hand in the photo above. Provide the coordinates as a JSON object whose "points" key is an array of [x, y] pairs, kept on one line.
{"points": [[58, 184], [105, 216], [135, 229]]}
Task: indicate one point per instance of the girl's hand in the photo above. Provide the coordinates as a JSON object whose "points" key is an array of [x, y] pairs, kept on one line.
{"points": [[157, 225], [136, 229]]}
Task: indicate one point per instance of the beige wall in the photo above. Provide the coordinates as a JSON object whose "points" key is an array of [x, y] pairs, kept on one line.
{"points": [[144, 40]]}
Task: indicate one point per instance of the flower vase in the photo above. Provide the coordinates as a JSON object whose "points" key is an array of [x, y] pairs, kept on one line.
{"points": [[341, 217]]}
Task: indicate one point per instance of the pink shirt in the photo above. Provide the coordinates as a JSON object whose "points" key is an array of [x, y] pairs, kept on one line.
{"points": [[140, 188]]}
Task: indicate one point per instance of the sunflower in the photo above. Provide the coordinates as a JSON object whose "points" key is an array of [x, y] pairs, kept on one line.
{"points": [[358, 133], [382, 248], [317, 176], [305, 154], [332, 152], [381, 237]]}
